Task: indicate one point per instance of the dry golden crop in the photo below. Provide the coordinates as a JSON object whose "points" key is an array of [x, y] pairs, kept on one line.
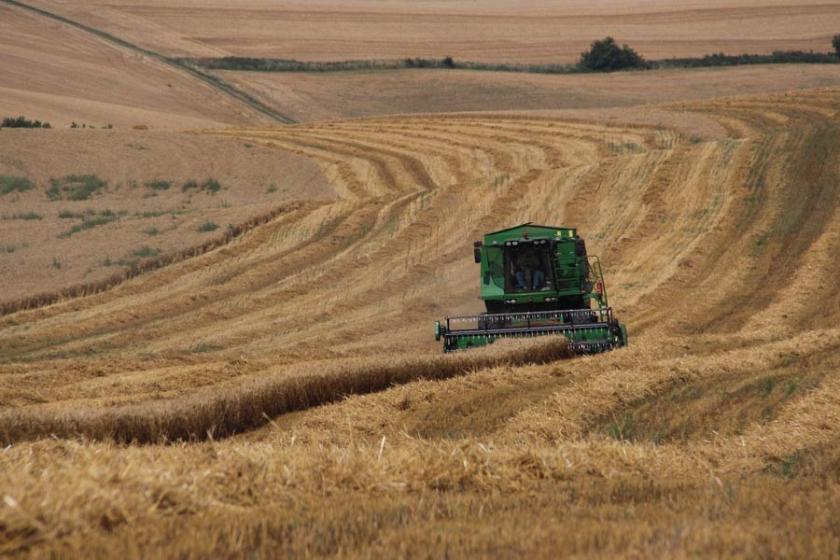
{"points": [[713, 433]]}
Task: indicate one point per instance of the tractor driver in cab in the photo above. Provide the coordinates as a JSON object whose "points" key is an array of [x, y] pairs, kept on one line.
{"points": [[528, 272]]}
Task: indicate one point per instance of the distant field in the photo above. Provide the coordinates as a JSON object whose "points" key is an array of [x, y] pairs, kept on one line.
{"points": [[530, 31], [316, 96], [60, 74], [149, 194]]}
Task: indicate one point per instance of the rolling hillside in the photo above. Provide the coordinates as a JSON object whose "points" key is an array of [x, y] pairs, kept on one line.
{"points": [[712, 433]]}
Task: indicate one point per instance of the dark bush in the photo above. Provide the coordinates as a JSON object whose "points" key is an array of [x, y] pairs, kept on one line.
{"points": [[22, 122], [835, 42], [208, 226], [159, 184], [448, 62], [75, 187], [605, 56], [13, 183]]}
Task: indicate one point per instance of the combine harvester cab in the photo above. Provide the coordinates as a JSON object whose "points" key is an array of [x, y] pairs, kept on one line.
{"points": [[535, 281]]}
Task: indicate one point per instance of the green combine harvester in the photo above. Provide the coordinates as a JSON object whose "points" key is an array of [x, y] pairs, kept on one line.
{"points": [[535, 281]]}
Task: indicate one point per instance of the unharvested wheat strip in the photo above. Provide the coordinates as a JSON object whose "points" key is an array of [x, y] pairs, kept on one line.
{"points": [[246, 405]]}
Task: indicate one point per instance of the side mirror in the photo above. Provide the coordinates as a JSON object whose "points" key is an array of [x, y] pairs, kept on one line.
{"points": [[477, 251]]}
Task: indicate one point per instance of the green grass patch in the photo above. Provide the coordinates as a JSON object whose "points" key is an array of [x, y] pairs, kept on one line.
{"points": [[132, 260], [9, 248], [12, 183], [208, 185], [272, 188], [208, 226], [75, 187], [145, 252], [759, 244], [22, 122], [90, 219], [622, 429], [159, 185], [151, 231], [786, 467], [70, 215], [27, 216]]}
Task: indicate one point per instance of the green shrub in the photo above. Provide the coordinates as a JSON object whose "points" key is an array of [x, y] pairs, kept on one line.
{"points": [[10, 183], [209, 185], [145, 251], [69, 214], [606, 56], [159, 184], [151, 231], [22, 122], [208, 226], [27, 216], [75, 187], [835, 42], [90, 220]]}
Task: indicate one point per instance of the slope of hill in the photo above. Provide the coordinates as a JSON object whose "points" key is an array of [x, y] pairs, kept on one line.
{"points": [[60, 74], [712, 434], [316, 96], [500, 31], [139, 196]]}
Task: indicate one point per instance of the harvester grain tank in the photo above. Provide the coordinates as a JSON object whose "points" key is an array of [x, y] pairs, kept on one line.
{"points": [[537, 280]]}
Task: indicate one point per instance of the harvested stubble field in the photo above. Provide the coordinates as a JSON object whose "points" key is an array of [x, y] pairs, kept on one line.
{"points": [[714, 433], [130, 198]]}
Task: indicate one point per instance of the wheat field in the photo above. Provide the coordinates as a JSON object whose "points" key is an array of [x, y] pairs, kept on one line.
{"points": [[282, 395]]}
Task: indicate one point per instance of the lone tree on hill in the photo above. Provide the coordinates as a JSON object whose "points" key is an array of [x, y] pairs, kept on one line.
{"points": [[605, 56], [835, 42]]}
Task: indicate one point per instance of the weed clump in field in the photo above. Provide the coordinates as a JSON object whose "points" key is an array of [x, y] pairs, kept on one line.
{"points": [[159, 185], [75, 187], [10, 247], [90, 219], [145, 251], [27, 216], [209, 185], [208, 226], [10, 184], [23, 122]]}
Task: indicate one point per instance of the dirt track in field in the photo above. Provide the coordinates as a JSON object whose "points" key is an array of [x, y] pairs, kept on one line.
{"points": [[713, 433]]}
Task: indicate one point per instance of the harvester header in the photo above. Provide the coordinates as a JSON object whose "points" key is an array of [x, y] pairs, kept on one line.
{"points": [[537, 280]]}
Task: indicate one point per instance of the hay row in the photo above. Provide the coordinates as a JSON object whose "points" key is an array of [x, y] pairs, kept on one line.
{"points": [[213, 413]]}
